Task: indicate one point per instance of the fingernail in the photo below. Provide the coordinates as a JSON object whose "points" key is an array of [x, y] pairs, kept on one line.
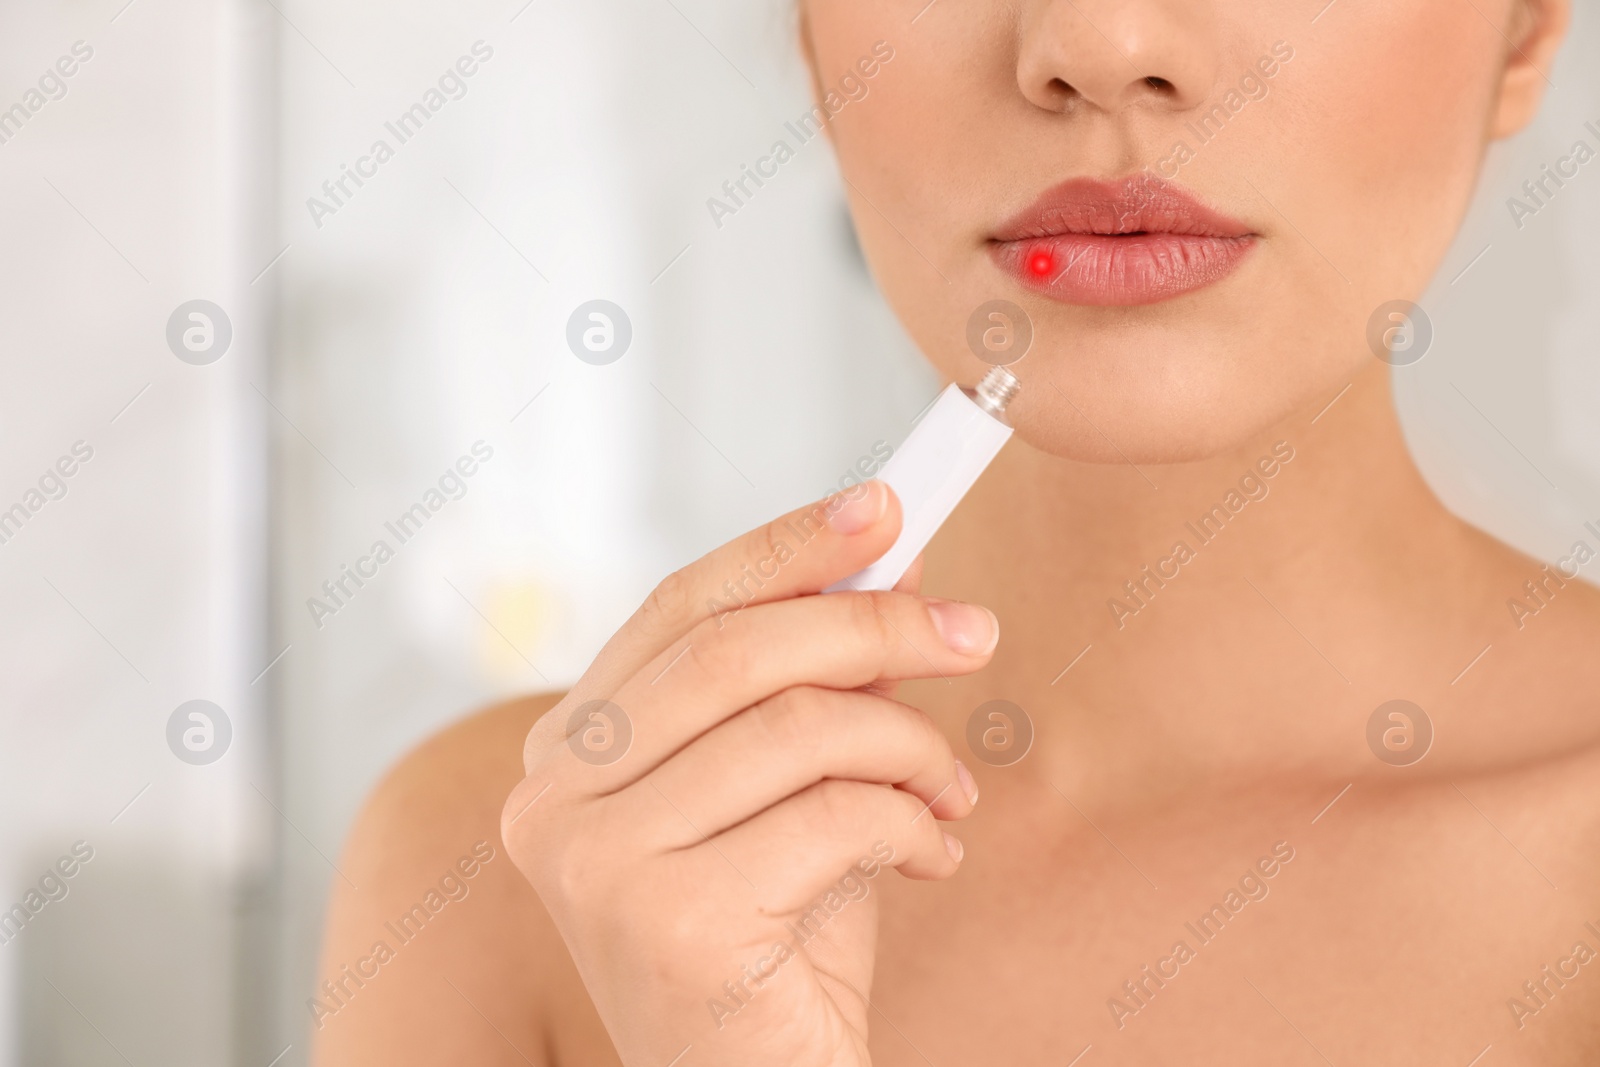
{"points": [[965, 628], [852, 511], [968, 786], [954, 847]]}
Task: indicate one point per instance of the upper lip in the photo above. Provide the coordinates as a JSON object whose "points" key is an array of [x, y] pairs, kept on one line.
{"points": [[1140, 203]]}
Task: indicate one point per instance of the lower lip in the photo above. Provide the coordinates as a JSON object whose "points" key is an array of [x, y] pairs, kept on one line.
{"points": [[1123, 270]]}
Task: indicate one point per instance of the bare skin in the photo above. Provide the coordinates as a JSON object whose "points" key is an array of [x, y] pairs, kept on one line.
{"points": [[1397, 934], [1216, 735]]}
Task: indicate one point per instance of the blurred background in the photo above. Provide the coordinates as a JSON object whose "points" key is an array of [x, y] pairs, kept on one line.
{"points": [[233, 461]]}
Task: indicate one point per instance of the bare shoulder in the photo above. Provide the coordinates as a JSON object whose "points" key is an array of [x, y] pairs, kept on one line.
{"points": [[436, 949]]}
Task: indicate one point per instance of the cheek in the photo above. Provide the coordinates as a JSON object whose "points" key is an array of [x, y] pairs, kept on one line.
{"points": [[917, 154], [1379, 138], [842, 32]]}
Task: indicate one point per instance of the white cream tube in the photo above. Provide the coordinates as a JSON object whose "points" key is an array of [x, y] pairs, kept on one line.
{"points": [[942, 458]]}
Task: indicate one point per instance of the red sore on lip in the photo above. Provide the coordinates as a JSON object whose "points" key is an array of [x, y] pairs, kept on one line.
{"points": [[1041, 264]]}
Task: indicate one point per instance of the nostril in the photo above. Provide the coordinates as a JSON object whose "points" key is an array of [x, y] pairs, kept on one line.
{"points": [[1061, 90], [1160, 85]]}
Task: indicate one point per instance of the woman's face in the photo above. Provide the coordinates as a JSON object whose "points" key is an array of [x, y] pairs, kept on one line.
{"points": [[1199, 204]]}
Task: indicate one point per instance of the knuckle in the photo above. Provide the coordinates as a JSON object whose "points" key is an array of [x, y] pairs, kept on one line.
{"points": [[869, 618], [931, 741], [841, 804], [569, 878], [531, 840], [545, 735], [568, 853], [770, 549], [705, 632], [578, 865], [698, 662], [671, 601], [717, 653], [797, 718]]}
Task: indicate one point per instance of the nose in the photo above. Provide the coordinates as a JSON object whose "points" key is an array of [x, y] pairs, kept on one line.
{"points": [[1117, 54]]}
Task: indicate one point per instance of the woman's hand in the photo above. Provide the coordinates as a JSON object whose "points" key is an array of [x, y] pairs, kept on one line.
{"points": [[705, 813]]}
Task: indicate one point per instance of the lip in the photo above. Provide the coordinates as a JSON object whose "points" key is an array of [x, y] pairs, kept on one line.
{"points": [[1140, 240]]}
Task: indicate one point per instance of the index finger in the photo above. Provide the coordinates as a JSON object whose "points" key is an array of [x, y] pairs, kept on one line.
{"points": [[796, 554]]}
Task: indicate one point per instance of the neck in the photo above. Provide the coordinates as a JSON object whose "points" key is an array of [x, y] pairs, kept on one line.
{"points": [[1232, 619]]}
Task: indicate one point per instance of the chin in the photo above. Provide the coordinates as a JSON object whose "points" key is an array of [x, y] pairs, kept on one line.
{"points": [[1166, 398]]}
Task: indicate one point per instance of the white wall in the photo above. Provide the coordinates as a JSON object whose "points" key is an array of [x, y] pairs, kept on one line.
{"points": [[143, 587], [1501, 412]]}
